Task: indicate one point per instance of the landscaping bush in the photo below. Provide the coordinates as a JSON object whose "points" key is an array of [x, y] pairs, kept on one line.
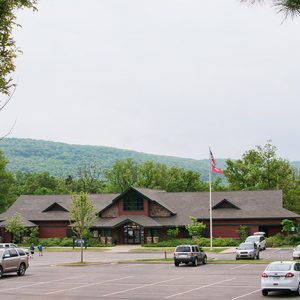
{"points": [[202, 242], [66, 242]]}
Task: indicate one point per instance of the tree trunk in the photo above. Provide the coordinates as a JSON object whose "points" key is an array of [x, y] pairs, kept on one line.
{"points": [[81, 246]]}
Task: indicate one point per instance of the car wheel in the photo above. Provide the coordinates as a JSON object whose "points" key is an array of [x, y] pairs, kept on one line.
{"points": [[1, 272], [22, 270], [297, 292], [195, 263], [257, 256], [204, 261], [176, 263], [264, 292]]}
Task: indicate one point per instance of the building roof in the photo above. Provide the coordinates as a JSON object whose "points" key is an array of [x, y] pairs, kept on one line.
{"points": [[243, 205], [141, 220]]}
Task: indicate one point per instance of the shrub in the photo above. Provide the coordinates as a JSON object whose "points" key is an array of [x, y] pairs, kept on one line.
{"points": [[202, 242]]}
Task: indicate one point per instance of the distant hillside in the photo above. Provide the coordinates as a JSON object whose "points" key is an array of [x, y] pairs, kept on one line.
{"points": [[61, 159]]}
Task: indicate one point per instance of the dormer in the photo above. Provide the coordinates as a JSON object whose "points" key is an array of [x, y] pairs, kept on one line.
{"points": [[56, 206], [225, 204]]}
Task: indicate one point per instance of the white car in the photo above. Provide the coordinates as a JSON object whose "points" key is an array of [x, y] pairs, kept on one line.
{"points": [[296, 252], [259, 240], [281, 276]]}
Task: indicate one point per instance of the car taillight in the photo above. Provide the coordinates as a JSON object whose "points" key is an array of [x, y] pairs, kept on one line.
{"points": [[289, 274], [264, 275]]}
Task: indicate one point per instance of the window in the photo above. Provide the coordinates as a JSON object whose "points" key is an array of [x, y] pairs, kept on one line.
{"points": [[13, 253], [21, 252], [132, 202]]}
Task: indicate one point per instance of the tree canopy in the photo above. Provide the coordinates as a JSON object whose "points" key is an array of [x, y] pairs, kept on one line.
{"points": [[261, 169], [8, 48], [290, 8], [6, 180]]}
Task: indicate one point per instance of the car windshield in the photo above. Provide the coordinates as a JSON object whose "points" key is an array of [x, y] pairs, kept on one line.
{"points": [[183, 249], [252, 238], [246, 246], [279, 267], [298, 248]]}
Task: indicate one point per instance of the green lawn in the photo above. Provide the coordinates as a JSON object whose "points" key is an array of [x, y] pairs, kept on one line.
{"points": [[171, 249], [76, 249]]}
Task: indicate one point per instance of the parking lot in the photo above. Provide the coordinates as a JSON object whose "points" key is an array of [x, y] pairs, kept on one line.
{"points": [[112, 280]]}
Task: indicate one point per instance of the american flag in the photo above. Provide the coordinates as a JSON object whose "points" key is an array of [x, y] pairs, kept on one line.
{"points": [[214, 168]]}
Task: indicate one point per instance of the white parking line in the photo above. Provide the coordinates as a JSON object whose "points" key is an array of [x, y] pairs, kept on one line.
{"points": [[37, 283], [129, 266], [142, 286], [198, 288], [240, 266], [85, 285], [245, 295]]}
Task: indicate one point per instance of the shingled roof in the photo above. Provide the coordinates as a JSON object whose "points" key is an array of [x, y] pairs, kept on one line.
{"points": [[250, 204]]}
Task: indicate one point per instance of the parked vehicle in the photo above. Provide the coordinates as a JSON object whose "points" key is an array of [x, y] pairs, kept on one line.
{"points": [[11, 245], [8, 245], [247, 250], [259, 240], [296, 252], [281, 276], [13, 260], [77, 243], [259, 233], [189, 254]]}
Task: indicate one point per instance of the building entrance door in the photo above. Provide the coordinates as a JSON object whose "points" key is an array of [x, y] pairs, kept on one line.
{"points": [[132, 234]]}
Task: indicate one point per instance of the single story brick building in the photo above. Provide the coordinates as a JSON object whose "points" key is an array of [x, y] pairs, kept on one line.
{"points": [[139, 215]]}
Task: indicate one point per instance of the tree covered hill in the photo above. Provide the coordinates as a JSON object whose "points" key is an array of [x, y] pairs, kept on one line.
{"points": [[61, 160]]}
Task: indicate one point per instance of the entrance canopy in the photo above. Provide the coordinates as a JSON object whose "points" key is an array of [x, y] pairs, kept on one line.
{"points": [[141, 220]]}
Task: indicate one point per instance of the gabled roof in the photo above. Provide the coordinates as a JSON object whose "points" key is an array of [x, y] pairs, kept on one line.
{"points": [[152, 195], [25, 222], [138, 219], [225, 204], [252, 204], [56, 206]]}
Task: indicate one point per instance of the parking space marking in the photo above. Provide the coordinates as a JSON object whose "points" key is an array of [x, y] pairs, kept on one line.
{"points": [[85, 285], [37, 283], [198, 288], [245, 295], [240, 266], [142, 286], [131, 265]]}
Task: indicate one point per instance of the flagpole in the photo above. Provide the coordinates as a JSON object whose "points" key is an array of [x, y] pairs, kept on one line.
{"points": [[210, 206]]}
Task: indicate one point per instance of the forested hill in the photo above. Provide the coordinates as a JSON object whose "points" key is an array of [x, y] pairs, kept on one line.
{"points": [[61, 159]]}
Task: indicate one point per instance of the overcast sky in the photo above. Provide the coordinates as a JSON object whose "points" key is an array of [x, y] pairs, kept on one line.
{"points": [[169, 77]]}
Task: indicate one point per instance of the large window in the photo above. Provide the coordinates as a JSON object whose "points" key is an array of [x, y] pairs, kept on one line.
{"points": [[133, 202]]}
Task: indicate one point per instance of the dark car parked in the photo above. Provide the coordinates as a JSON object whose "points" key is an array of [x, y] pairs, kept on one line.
{"points": [[189, 254], [13, 260]]}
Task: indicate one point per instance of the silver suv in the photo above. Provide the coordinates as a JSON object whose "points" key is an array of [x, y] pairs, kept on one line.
{"points": [[259, 240], [13, 260], [247, 250], [189, 254]]}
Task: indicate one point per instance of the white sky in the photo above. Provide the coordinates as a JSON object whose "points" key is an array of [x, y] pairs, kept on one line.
{"points": [[167, 77]]}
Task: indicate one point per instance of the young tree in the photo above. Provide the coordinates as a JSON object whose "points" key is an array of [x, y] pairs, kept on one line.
{"points": [[173, 232], [195, 228], [15, 226], [287, 226], [287, 7], [82, 216], [243, 232]]}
